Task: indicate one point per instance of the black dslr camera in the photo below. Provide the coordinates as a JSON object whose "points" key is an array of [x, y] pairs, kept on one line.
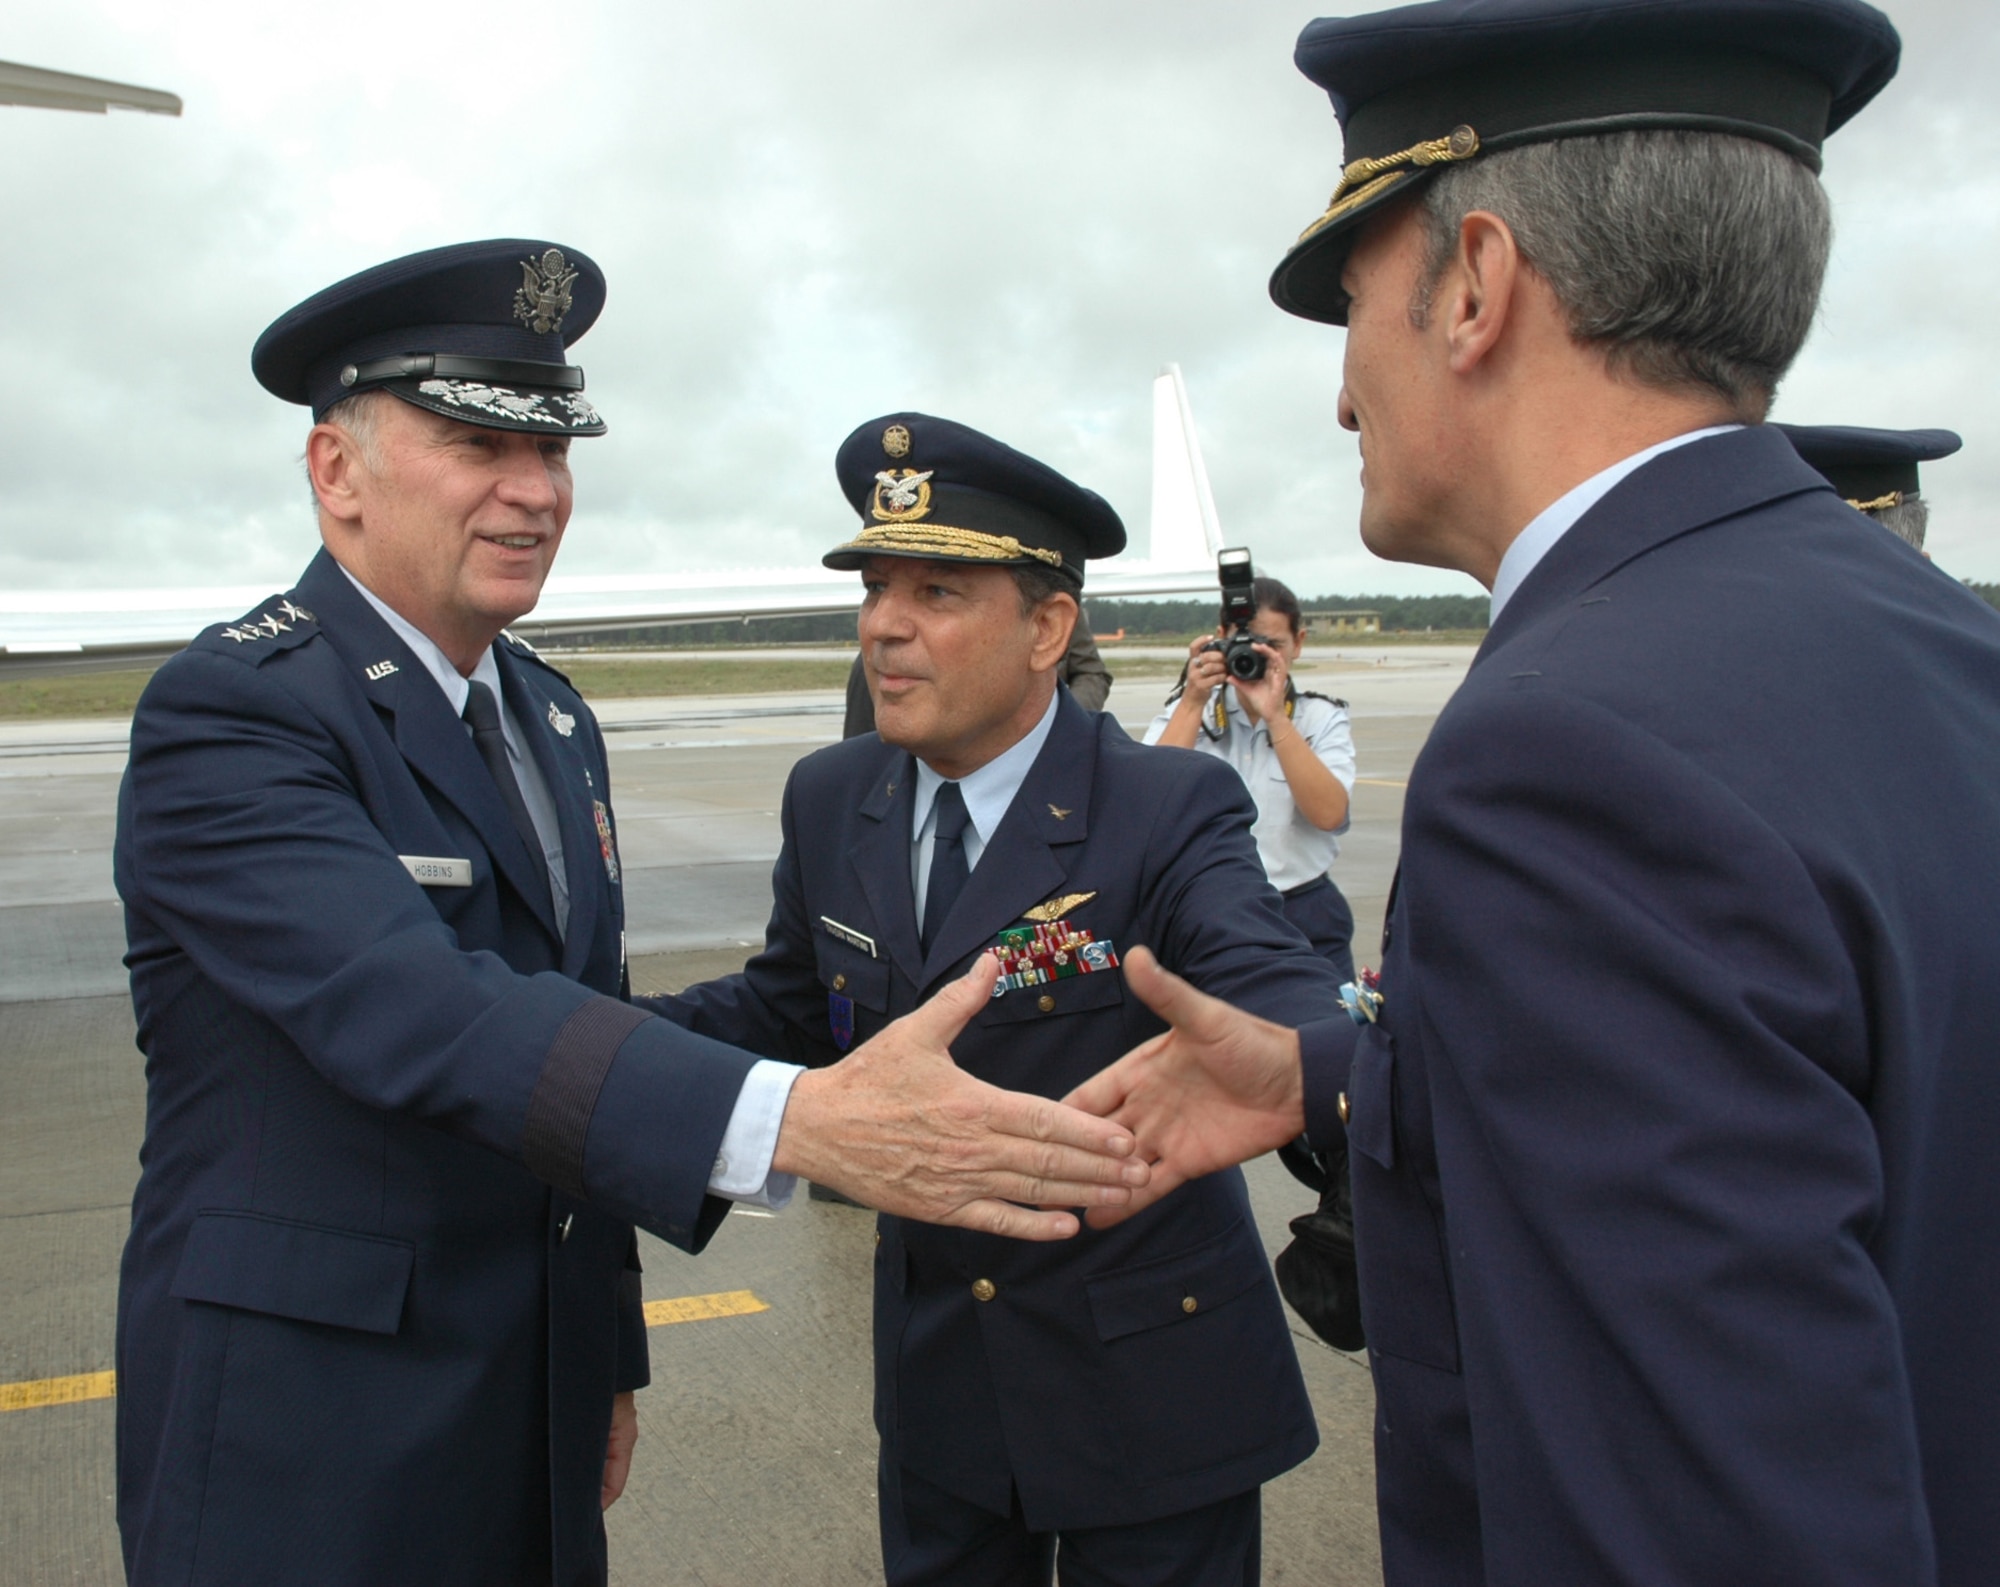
{"points": [[1239, 605]]}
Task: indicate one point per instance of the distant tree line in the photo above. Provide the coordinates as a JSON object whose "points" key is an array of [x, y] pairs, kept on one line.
{"points": [[1989, 593], [1401, 614]]}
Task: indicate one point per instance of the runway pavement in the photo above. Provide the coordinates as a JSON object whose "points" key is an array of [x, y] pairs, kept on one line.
{"points": [[756, 1461]]}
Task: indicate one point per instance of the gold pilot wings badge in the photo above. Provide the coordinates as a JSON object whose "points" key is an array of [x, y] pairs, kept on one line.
{"points": [[1048, 914]]}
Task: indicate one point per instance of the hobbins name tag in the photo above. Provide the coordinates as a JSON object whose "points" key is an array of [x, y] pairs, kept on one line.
{"points": [[433, 871]]}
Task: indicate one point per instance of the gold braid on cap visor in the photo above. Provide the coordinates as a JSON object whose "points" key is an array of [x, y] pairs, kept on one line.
{"points": [[1879, 504], [941, 540], [1364, 179]]}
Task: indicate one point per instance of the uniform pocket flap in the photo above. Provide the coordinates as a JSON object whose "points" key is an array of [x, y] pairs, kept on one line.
{"points": [[1068, 994], [1174, 1288], [1371, 1117], [299, 1270], [850, 972]]}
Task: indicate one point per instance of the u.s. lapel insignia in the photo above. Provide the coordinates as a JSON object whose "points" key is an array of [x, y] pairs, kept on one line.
{"points": [[606, 843], [1058, 812], [1049, 913], [380, 670], [543, 297], [561, 721], [902, 494]]}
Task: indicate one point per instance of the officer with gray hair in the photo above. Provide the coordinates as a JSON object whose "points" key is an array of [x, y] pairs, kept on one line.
{"points": [[1671, 1116], [1875, 471]]}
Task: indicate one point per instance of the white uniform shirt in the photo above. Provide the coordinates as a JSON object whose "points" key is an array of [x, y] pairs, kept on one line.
{"points": [[743, 1164], [1293, 850]]}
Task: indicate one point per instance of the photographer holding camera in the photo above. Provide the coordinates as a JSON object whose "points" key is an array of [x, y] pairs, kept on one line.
{"points": [[1292, 748]]}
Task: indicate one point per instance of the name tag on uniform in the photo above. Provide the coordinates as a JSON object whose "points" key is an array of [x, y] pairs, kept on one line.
{"points": [[848, 935], [432, 871]]}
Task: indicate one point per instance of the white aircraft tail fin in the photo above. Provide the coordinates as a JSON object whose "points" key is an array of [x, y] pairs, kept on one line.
{"points": [[1185, 531]]}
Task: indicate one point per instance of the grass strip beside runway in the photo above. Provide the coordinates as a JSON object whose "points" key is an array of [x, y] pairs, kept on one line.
{"points": [[35, 1393]]}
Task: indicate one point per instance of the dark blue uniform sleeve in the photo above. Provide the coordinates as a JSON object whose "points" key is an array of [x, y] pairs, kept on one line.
{"points": [[1220, 924], [1644, 1050], [246, 838]]}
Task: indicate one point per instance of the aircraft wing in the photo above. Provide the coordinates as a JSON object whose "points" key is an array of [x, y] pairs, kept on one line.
{"points": [[101, 630], [47, 90]]}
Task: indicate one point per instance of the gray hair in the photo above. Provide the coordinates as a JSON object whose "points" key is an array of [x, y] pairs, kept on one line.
{"points": [[1907, 520], [1037, 583], [1693, 259], [359, 415]]}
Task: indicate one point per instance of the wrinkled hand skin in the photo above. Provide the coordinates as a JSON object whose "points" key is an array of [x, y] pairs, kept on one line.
{"points": [[1218, 1089], [899, 1127], [618, 1452]]}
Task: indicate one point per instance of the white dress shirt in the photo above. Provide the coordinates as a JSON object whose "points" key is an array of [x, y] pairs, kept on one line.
{"points": [[1560, 516], [987, 793], [743, 1162]]}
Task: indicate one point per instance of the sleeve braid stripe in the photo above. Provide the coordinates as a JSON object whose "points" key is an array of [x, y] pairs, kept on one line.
{"points": [[559, 1112]]}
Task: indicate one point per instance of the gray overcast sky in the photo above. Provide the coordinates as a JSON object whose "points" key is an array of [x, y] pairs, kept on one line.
{"points": [[811, 212]]}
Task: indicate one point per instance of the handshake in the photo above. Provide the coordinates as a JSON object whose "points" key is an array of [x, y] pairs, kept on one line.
{"points": [[898, 1126]]}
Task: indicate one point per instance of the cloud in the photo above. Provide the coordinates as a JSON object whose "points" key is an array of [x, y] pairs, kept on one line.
{"points": [[809, 214]]}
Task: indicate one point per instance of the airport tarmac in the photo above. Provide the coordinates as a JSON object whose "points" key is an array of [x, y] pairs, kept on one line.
{"points": [[756, 1459]]}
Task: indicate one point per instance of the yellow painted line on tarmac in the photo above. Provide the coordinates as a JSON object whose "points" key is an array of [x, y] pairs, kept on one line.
{"points": [[700, 1308], [37, 1392]]}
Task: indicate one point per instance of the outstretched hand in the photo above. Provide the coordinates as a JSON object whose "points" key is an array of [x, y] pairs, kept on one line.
{"points": [[1219, 1088], [898, 1126]]}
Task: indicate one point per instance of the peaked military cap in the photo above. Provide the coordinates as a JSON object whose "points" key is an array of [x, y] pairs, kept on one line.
{"points": [[1872, 469], [1424, 87], [476, 332], [930, 488]]}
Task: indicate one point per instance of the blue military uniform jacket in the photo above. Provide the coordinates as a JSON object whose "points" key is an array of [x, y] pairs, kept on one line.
{"points": [[1672, 1153], [376, 1299], [1123, 1375]]}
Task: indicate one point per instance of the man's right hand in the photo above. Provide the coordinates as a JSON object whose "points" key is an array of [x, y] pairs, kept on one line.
{"points": [[898, 1126]]}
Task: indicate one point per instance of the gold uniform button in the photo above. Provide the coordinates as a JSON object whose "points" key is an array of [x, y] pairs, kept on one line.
{"points": [[1188, 1303], [840, 983], [1343, 1107], [1046, 1003], [982, 1289]]}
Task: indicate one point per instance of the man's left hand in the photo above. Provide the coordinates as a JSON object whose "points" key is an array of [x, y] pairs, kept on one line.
{"points": [[618, 1452]]}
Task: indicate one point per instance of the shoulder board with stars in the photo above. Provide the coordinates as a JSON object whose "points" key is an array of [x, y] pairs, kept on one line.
{"points": [[1314, 694], [527, 652], [278, 624]]}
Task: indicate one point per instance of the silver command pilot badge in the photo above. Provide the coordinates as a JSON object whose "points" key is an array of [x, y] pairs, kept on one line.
{"points": [[902, 495], [543, 297]]}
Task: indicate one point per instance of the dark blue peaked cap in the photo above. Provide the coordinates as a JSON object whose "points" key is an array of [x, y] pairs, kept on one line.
{"points": [[1422, 87], [1869, 466], [930, 488], [476, 332]]}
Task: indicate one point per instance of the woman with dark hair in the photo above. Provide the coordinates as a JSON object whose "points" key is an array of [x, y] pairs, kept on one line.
{"points": [[1294, 751]]}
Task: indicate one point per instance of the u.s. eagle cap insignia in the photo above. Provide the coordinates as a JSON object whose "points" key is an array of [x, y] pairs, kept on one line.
{"points": [[902, 494], [543, 297]]}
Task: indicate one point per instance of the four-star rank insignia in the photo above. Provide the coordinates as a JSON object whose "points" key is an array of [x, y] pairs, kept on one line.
{"points": [[902, 495], [543, 297]]}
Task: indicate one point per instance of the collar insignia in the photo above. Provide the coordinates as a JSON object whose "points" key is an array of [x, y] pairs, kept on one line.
{"points": [[1049, 913], [1058, 812], [896, 441], [902, 494], [543, 297], [380, 670], [561, 721]]}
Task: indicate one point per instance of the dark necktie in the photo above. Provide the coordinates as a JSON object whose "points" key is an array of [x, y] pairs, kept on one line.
{"points": [[948, 867], [482, 715]]}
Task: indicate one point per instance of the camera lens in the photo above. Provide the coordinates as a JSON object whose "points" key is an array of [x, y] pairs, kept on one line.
{"points": [[1245, 661]]}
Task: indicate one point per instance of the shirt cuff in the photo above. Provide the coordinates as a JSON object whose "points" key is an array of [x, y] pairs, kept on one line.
{"points": [[743, 1163]]}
